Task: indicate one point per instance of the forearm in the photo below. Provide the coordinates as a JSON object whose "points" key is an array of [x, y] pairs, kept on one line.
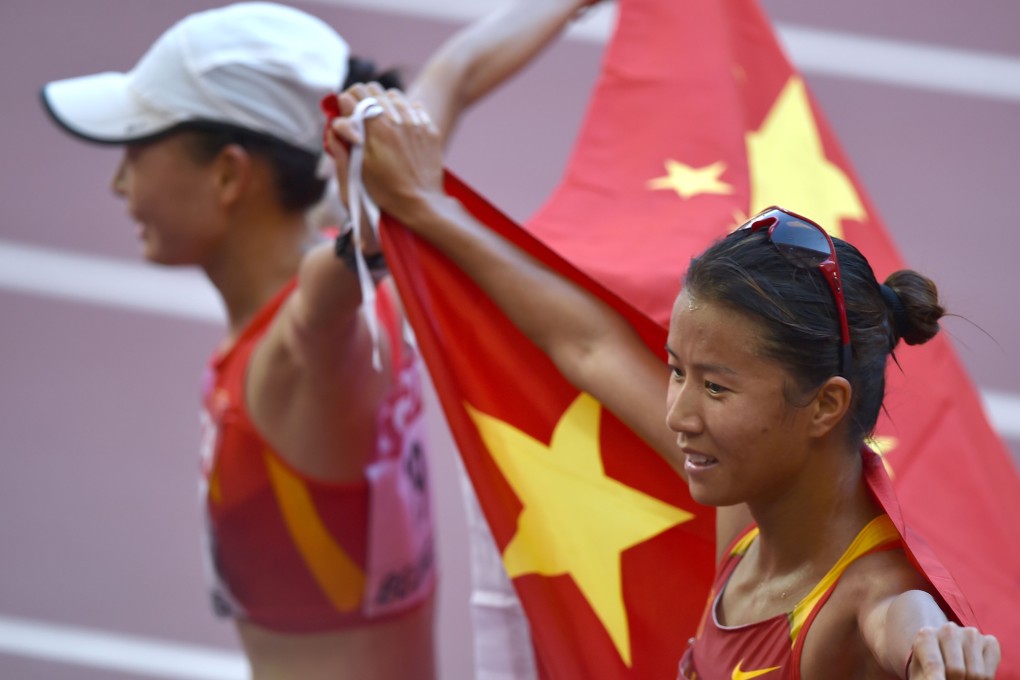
{"points": [[591, 345], [559, 316], [487, 52], [910, 628], [904, 617]]}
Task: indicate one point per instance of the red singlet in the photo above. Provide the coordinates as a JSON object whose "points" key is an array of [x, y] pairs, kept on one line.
{"points": [[295, 554], [769, 648]]}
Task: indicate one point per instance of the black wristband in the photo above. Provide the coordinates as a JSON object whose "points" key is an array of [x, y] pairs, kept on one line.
{"points": [[344, 249]]}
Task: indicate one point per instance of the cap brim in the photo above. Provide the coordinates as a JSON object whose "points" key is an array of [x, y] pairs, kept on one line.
{"points": [[100, 108]]}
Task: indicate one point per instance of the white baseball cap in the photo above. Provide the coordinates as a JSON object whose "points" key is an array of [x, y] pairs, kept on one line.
{"points": [[256, 65]]}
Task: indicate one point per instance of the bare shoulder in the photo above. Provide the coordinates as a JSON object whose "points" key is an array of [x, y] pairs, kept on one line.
{"points": [[313, 397], [294, 356], [835, 639]]}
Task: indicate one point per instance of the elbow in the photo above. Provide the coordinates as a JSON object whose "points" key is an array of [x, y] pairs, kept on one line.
{"points": [[576, 360]]}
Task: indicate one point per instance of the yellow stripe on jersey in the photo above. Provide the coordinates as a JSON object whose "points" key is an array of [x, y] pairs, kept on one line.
{"points": [[340, 578], [215, 491], [741, 546], [878, 532]]}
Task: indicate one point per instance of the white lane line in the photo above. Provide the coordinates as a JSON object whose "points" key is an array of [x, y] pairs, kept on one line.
{"points": [[595, 26], [831, 53], [119, 652], [907, 64], [1003, 411], [109, 282], [186, 294]]}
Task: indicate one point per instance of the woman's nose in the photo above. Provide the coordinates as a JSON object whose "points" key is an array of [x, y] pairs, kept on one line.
{"points": [[681, 410], [119, 182]]}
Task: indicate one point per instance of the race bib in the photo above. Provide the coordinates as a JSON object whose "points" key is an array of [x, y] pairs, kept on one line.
{"points": [[400, 562]]}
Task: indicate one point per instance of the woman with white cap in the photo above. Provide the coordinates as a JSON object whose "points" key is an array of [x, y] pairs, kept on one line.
{"points": [[314, 479]]}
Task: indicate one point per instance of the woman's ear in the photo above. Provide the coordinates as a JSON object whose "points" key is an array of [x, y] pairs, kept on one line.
{"points": [[233, 173], [830, 406]]}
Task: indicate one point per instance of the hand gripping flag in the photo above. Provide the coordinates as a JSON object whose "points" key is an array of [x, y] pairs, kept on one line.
{"points": [[698, 121], [611, 558]]}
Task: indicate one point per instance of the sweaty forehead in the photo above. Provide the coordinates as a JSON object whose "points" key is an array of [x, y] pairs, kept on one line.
{"points": [[687, 307], [709, 330]]}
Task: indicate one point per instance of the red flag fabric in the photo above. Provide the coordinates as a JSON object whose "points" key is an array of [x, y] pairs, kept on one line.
{"points": [[698, 121], [610, 556]]}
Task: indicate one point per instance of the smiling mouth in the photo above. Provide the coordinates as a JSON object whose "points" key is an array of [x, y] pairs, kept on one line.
{"points": [[699, 461]]}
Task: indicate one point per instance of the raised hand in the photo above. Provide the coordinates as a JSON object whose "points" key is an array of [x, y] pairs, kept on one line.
{"points": [[403, 163], [951, 652]]}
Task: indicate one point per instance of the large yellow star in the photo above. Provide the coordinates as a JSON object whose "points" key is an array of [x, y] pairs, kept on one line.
{"points": [[687, 181], [788, 165], [575, 521]]}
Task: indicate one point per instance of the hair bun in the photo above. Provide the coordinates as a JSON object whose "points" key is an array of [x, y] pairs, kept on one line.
{"points": [[361, 70], [899, 312], [913, 303]]}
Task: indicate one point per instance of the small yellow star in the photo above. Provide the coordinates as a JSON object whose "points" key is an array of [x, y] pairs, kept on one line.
{"points": [[575, 519], [788, 165], [882, 446], [687, 181]]}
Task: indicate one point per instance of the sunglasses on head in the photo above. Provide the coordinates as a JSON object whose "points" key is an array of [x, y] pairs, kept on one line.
{"points": [[806, 245]]}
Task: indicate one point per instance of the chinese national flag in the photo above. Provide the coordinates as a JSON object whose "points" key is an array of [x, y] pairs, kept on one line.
{"points": [[611, 558], [698, 121]]}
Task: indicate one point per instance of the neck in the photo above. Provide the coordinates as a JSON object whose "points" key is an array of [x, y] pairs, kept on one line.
{"points": [[258, 257], [810, 522]]}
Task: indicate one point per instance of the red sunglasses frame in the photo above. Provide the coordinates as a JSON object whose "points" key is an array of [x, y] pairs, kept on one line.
{"points": [[776, 218]]}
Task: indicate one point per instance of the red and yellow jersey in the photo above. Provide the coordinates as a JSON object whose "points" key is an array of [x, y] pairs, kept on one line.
{"points": [[296, 554], [769, 648], [772, 648]]}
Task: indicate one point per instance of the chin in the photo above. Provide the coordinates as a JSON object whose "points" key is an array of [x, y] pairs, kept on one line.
{"points": [[705, 495], [149, 249], [153, 256]]}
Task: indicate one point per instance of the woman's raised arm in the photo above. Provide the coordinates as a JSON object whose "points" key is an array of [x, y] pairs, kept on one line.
{"points": [[591, 345]]}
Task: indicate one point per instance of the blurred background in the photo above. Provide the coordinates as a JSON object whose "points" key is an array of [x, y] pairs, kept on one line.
{"points": [[100, 561]]}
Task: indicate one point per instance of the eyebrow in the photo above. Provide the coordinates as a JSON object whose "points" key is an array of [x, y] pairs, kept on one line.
{"points": [[705, 368]]}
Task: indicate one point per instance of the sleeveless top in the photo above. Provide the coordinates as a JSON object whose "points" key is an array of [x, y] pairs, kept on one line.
{"points": [[770, 648], [295, 554]]}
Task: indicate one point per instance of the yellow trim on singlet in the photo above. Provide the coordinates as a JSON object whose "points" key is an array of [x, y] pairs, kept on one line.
{"points": [[340, 578], [875, 533], [741, 546], [215, 489]]}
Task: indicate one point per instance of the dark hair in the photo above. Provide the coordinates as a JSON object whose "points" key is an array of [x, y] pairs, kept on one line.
{"points": [[295, 170], [795, 308], [360, 70]]}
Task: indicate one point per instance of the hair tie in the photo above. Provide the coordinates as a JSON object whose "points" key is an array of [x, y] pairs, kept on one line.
{"points": [[895, 305]]}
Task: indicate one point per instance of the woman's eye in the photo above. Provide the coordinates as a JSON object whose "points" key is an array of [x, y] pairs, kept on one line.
{"points": [[677, 373], [714, 388]]}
